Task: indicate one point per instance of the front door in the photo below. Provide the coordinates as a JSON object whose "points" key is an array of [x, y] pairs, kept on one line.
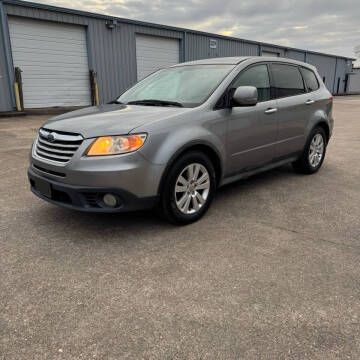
{"points": [[252, 130]]}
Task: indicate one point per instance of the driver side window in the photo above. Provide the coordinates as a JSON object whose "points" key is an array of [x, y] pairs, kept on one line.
{"points": [[257, 76]]}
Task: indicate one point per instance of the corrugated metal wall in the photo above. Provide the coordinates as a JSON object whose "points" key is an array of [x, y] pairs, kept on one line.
{"points": [[325, 66], [295, 55], [5, 95], [340, 76], [198, 47], [112, 53]]}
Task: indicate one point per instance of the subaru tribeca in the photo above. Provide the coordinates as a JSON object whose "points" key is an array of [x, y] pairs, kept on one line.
{"points": [[177, 135]]}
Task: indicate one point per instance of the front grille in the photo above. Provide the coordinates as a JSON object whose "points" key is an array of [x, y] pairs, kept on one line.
{"points": [[57, 146]]}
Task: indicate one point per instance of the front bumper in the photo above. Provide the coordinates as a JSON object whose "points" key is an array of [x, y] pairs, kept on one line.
{"points": [[87, 198]]}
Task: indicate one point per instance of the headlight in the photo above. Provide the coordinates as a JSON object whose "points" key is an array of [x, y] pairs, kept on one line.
{"points": [[112, 145]]}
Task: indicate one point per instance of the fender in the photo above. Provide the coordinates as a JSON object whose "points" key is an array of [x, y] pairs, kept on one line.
{"points": [[319, 117], [165, 147], [175, 143]]}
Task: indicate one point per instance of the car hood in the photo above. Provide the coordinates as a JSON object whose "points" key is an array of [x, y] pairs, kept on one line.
{"points": [[111, 119]]}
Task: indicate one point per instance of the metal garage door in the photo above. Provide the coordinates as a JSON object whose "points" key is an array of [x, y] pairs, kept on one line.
{"points": [[53, 60], [154, 52], [269, 53]]}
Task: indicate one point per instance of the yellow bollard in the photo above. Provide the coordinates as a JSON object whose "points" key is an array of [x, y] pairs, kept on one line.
{"points": [[17, 97], [96, 95]]}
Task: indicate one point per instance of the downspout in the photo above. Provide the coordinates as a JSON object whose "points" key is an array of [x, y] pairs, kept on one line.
{"points": [[184, 47], [5, 36]]}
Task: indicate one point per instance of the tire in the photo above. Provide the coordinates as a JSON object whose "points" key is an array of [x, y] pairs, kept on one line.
{"points": [[184, 201], [313, 154]]}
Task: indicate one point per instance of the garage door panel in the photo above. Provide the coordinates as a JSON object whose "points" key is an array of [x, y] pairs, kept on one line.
{"points": [[154, 63], [53, 60], [146, 49], [49, 45], [26, 41], [69, 84], [49, 58], [37, 69], [29, 50], [59, 30], [20, 32], [60, 78], [58, 103], [146, 56], [154, 52]]}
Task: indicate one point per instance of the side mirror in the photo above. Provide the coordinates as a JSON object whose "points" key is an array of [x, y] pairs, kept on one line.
{"points": [[245, 96]]}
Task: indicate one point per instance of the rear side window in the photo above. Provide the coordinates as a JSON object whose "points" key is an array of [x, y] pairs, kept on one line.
{"points": [[310, 79], [257, 76], [288, 80]]}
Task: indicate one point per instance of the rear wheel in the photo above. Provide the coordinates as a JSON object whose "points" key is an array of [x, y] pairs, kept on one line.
{"points": [[189, 188], [313, 154]]}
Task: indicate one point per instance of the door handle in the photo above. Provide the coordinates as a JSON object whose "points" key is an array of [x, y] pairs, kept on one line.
{"points": [[270, 110], [309, 102]]}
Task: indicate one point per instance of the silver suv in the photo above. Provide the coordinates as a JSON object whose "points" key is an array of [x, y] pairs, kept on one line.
{"points": [[174, 137]]}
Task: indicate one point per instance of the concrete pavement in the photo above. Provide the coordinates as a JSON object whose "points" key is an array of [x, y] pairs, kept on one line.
{"points": [[271, 272]]}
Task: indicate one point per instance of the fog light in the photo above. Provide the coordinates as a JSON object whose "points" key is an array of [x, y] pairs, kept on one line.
{"points": [[110, 200]]}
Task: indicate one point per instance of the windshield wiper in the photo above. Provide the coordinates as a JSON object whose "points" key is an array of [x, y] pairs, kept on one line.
{"points": [[115, 102], [153, 102]]}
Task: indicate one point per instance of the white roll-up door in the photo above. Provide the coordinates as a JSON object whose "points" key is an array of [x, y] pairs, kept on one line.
{"points": [[54, 63], [269, 53], [155, 52]]}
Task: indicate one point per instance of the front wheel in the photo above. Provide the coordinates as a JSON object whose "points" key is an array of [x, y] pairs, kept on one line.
{"points": [[313, 154], [189, 188]]}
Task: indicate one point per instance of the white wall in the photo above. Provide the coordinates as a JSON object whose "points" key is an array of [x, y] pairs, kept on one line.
{"points": [[354, 81]]}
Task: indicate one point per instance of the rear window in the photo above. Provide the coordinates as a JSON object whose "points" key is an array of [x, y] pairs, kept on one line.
{"points": [[310, 79], [288, 80]]}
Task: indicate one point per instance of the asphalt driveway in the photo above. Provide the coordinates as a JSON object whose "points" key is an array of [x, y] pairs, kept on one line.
{"points": [[271, 272]]}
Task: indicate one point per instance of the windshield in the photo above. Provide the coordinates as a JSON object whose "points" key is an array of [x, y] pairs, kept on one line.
{"points": [[188, 85]]}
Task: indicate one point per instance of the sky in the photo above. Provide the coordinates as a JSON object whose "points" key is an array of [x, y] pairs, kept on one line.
{"points": [[330, 26]]}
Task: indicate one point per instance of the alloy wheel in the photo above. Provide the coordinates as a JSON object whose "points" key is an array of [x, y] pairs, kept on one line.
{"points": [[316, 150], [192, 188]]}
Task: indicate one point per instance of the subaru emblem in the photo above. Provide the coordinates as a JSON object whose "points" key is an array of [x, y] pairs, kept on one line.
{"points": [[51, 137]]}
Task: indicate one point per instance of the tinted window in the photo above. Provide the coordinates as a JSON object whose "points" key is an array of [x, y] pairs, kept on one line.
{"points": [[310, 79], [257, 76], [288, 80]]}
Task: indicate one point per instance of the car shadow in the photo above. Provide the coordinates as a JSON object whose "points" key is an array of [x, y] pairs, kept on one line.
{"points": [[260, 179], [145, 221]]}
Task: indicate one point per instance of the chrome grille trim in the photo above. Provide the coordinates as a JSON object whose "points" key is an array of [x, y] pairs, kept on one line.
{"points": [[60, 136], [56, 145], [53, 149], [60, 148]]}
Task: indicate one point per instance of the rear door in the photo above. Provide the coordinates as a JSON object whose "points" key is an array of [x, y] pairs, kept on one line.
{"points": [[252, 130], [293, 113]]}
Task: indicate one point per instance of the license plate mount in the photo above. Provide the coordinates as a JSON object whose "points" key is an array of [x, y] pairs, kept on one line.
{"points": [[43, 187]]}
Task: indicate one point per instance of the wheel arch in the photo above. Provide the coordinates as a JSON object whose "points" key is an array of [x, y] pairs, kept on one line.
{"points": [[202, 146], [325, 126]]}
